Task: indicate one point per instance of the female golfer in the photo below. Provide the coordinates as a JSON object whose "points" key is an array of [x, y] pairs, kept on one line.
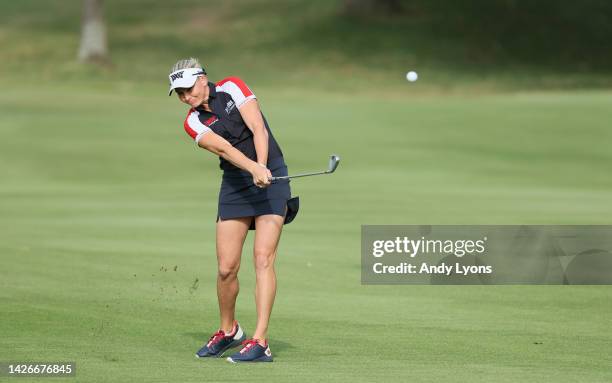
{"points": [[225, 119]]}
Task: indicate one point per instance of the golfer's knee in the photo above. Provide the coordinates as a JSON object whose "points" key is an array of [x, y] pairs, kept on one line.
{"points": [[228, 271], [264, 258]]}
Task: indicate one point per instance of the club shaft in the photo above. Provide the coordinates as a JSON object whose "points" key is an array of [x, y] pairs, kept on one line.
{"points": [[298, 175]]}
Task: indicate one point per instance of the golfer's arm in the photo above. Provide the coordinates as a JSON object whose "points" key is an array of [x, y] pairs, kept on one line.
{"points": [[219, 146], [251, 114]]}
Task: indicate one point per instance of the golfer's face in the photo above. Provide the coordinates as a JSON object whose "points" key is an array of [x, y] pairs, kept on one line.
{"points": [[195, 95]]}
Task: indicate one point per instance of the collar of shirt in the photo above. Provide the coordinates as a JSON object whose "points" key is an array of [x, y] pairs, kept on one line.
{"points": [[212, 93]]}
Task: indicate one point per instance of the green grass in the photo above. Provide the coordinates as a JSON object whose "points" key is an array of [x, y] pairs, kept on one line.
{"points": [[102, 189], [102, 194]]}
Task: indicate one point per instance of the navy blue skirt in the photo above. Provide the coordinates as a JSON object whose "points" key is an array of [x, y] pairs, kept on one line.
{"points": [[239, 197]]}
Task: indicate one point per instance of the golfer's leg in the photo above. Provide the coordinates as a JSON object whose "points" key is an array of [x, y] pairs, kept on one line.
{"points": [[267, 234], [230, 238]]}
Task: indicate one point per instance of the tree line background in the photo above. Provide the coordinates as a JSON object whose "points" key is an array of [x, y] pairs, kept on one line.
{"points": [[570, 33], [296, 43]]}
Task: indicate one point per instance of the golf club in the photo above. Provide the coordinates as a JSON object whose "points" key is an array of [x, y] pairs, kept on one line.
{"points": [[334, 160]]}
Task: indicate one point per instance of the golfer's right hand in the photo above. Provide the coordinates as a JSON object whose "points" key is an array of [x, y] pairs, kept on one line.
{"points": [[261, 176]]}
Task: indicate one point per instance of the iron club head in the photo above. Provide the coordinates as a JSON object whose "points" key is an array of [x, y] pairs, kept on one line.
{"points": [[334, 160]]}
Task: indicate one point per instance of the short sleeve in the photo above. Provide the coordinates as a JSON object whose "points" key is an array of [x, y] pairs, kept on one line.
{"points": [[237, 89], [194, 127]]}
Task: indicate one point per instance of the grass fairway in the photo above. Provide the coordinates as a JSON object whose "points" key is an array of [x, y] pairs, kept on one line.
{"points": [[107, 216]]}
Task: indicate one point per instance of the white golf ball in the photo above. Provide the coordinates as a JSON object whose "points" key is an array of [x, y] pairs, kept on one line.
{"points": [[412, 76]]}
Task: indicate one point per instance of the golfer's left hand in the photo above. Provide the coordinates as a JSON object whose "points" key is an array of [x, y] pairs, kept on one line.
{"points": [[261, 176]]}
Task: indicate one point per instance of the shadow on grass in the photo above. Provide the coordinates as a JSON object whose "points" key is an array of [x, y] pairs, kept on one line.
{"points": [[201, 336]]}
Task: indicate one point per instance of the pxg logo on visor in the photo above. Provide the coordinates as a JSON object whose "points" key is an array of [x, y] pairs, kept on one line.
{"points": [[184, 78], [176, 75]]}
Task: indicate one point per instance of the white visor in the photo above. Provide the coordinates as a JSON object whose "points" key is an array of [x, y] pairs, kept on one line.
{"points": [[184, 78]]}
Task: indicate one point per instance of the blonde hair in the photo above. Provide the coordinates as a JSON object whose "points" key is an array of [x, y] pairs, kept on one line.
{"points": [[186, 63]]}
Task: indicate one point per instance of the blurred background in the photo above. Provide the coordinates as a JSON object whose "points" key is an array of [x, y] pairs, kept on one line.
{"points": [[107, 210], [499, 43]]}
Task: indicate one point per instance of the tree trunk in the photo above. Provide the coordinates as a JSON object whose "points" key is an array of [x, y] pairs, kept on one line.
{"points": [[94, 47]]}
